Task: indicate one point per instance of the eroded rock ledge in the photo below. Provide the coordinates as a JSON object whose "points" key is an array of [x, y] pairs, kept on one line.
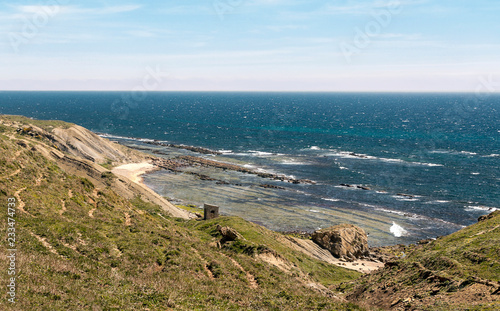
{"points": [[177, 163]]}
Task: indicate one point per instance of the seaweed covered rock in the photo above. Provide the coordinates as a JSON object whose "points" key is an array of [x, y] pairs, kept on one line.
{"points": [[345, 241]]}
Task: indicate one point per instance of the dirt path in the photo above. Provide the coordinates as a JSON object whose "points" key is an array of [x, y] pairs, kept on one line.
{"points": [[12, 174], [45, 243], [205, 265], [20, 204], [250, 277], [38, 181], [128, 221], [91, 212], [63, 207]]}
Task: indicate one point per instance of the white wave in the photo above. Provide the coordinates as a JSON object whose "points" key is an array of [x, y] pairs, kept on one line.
{"points": [[343, 168], [404, 198], [397, 230], [146, 140], [331, 200], [454, 152], [437, 202], [362, 156], [293, 162], [313, 211], [441, 151], [429, 164], [480, 208], [493, 155], [468, 152], [249, 166], [349, 155], [475, 173], [242, 154], [261, 170], [261, 153], [400, 213], [225, 151], [315, 148], [104, 135]]}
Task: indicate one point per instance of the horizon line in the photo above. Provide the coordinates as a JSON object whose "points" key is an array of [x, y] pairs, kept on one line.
{"points": [[263, 91]]}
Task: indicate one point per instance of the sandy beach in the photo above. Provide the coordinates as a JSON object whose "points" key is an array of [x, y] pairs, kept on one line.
{"points": [[133, 171]]}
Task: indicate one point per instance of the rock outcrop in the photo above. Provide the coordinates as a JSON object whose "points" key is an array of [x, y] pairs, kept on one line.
{"points": [[489, 216], [228, 234], [346, 242]]}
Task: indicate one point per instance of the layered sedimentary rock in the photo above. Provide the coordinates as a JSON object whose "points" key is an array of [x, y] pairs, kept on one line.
{"points": [[345, 241]]}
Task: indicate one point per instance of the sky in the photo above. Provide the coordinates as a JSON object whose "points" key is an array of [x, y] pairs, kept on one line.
{"points": [[251, 45]]}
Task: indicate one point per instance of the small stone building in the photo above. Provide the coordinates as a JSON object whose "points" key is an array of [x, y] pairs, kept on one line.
{"points": [[210, 211]]}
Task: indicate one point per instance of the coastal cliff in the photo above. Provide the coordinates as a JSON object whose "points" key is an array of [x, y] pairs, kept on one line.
{"points": [[91, 237]]}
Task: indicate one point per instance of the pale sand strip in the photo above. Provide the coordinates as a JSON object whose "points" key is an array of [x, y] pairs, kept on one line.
{"points": [[133, 171]]}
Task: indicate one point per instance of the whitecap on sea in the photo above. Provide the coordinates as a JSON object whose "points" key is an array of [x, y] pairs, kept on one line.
{"points": [[471, 208], [397, 230], [331, 200]]}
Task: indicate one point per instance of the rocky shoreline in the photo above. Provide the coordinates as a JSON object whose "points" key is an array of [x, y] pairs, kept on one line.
{"points": [[176, 164], [190, 148]]}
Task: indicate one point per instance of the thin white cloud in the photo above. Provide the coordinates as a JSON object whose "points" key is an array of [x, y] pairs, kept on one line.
{"points": [[71, 9], [141, 33]]}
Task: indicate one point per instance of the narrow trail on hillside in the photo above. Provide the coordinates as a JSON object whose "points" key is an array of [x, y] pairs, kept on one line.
{"points": [[91, 201], [128, 221], [38, 181], [12, 174], [63, 209], [249, 276], [205, 264], [45, 243], [20, 204], [17, 154]]}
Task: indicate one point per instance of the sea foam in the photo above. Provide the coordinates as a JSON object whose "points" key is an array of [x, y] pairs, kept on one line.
{"points": [[397, 230]]}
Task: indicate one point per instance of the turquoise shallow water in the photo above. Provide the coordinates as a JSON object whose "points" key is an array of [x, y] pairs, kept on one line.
{"points": [[440, 150]]}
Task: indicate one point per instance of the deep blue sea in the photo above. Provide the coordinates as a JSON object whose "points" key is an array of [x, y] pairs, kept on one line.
{"points": [[432, 161]]}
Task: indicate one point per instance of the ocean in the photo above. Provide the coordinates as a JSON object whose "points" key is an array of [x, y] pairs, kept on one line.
{"points": [[404, 167]]}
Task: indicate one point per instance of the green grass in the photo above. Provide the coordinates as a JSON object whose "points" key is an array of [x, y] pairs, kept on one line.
{"points": [[44, 124], [108, 253], [260, 240], [473, 251], [108, 164]]}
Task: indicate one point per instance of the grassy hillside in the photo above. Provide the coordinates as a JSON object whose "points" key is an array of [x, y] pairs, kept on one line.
{"points": [[456, 272], [81, 246]]}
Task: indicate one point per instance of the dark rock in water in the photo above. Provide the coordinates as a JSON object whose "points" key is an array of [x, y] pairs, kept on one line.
{"points": [[272, 187], [364, 188], [358, 155], [344, 241], [346, 185], [228, 234], [190, 148], [405, 195]]}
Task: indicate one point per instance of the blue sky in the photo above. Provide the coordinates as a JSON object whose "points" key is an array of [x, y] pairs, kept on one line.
{"points": [[276, 45]]}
